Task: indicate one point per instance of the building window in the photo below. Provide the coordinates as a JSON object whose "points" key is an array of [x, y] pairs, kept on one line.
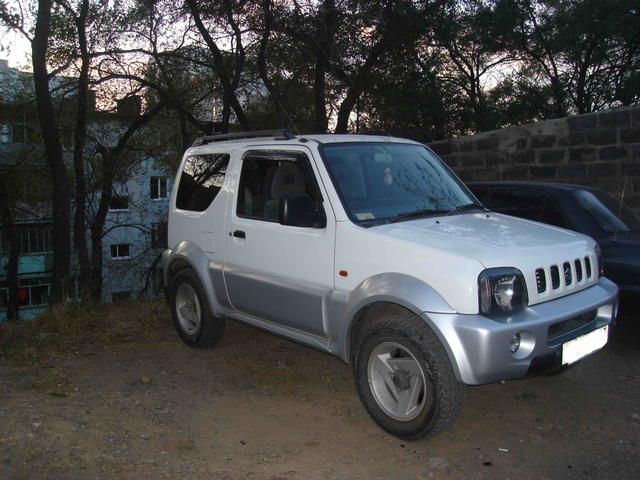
{"points": [[120, 251], [159, 235], [158, 188], [31, 239], [119, 203], [33, 292]]}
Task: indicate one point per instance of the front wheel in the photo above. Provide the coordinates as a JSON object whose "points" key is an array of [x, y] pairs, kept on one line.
{"points": [[405, 380]]}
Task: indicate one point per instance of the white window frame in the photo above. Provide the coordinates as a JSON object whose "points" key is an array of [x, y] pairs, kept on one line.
{"points": [[118, 256], [116, 210], [158, 181]]}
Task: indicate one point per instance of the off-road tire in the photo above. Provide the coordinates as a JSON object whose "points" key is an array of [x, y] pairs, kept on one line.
{"points": [[211, 327], [413, 334]]}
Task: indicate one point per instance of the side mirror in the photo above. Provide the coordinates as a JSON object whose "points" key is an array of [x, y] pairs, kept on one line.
{"points": [[298, 210]]}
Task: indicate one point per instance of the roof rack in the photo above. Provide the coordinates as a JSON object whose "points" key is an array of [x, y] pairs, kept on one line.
{"points": [[221, 137]]}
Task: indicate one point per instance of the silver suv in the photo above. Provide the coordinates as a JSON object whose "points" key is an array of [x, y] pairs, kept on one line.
{"points": [[371, 249]]}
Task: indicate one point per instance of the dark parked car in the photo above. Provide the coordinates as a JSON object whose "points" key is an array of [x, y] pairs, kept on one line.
{"points": [[584, 209]]}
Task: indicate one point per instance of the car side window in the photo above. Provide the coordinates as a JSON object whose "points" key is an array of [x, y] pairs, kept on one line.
{"points": [[552, 215], [201, 180], [267, 177], [519, 203], [527, 204]]}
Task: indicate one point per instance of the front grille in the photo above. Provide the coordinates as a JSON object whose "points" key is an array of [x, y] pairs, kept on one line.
{"points": [[566, 269], [555, 277], [578, 265], [541, 280], [566, 326], [587, 265]]}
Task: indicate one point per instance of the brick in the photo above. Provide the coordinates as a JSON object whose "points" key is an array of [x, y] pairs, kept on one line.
{"points": [[515, 173], [543, 141], [573, 139], [555, 155], [630, 135], [630, 167], [494, 159], [451, 160], [613, 153], [522, 143], [621, 118], [583, 122], [442, 148], [472, 161], [466, 146], [544, 173], [490, 143], [603, 137], [603, 169], [488, 174], [582, 154], [526, 156], [572, 171]]}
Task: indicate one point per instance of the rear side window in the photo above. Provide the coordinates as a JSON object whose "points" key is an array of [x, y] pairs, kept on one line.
{"points": [[201, 180]]}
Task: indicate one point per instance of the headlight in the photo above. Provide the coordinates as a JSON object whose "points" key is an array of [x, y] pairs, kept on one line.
{"points": [[598, 251], [502, 290]]}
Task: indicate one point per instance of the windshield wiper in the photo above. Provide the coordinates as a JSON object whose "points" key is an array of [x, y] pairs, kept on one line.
{"points": [[466, 207], [415, 214]]}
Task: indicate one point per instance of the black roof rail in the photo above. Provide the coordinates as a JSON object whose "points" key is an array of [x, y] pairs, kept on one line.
{"points": [[221, 137], [381, 133]]}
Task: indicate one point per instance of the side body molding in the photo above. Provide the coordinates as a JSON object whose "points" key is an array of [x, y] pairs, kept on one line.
{"points": [[400, 289], [209, 272]]}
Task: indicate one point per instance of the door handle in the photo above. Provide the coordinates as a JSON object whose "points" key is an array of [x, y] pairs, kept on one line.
{"points": [[239, 234]]}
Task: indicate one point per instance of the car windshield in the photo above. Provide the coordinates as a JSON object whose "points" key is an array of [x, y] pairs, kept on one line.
{"points": [[610, 214], [382, 182]]}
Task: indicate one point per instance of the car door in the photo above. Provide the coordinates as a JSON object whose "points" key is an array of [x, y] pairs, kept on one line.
{"points": [[275, 272]]}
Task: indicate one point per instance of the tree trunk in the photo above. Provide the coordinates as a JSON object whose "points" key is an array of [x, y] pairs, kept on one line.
{"points": [[346, 107], [323, 49], [79, 224], [11, 232], [53, 150], [97, 226]]}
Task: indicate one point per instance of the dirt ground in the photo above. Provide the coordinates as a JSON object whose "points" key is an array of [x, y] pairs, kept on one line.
{"points": [[260, 407]]}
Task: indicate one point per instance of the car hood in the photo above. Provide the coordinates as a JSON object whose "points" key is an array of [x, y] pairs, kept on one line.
{"points": [[497, 240], [489, 237]]}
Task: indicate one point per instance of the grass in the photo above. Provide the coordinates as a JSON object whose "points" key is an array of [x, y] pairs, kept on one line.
{"points": [[63, 328]]}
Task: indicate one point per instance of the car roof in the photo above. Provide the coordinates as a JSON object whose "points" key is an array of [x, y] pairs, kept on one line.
{"points": [[547, 186], [322, 139]]}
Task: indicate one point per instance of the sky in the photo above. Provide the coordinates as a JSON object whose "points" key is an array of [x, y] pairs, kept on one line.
{"points": [[15, 48]]}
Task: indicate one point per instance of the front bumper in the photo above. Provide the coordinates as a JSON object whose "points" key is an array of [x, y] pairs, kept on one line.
{"points": [[479, 346]]}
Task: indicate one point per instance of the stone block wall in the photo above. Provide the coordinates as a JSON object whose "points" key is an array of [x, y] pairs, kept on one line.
{"points": [[599, 149]]}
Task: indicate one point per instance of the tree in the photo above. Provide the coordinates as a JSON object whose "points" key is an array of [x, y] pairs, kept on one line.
{"points": [[53, 148]]}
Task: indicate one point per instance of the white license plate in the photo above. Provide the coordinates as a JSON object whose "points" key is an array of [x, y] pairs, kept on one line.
{"points": [[580, 347]]}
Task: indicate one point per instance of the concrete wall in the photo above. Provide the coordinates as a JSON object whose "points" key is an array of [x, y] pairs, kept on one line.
{"points": [[599, 149]]}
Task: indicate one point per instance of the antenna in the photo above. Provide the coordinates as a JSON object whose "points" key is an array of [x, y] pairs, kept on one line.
{"points": [[624, 187]]}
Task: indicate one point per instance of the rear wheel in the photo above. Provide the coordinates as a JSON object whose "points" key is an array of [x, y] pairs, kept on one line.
{"points": [[192, 317], [405, 380]]}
